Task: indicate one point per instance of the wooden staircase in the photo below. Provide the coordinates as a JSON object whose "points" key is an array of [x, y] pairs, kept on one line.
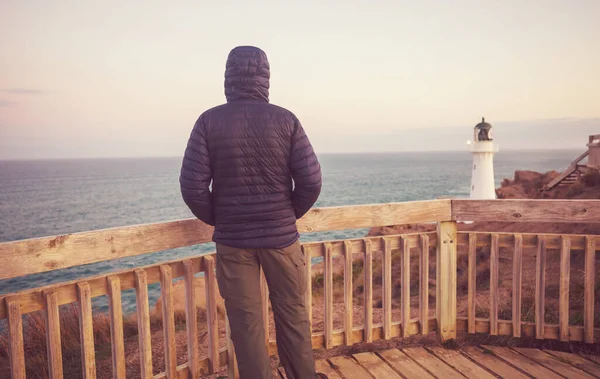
{"points": [[570, 175]]}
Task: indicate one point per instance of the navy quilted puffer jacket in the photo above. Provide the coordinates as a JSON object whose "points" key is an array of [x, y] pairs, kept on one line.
{"points": [[264, 172]]}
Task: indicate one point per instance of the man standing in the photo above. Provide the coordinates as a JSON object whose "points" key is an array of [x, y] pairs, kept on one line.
{"points": [[265, 175]]}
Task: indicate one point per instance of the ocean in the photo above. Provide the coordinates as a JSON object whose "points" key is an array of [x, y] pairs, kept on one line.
{"points": [[43, 198]]}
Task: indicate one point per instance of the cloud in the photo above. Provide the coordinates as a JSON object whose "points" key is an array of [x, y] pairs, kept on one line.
{"points": [[22, 91], [6, 103]]}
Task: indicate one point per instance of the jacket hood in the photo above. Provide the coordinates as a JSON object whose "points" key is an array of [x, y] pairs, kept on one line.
{"points": [[247, 74]]}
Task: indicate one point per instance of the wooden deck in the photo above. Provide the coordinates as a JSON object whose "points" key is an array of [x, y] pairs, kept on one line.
{"points": [[471, 362]]}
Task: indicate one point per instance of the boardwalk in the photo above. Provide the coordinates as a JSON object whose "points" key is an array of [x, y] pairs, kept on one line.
{"points": [[470, 362]]}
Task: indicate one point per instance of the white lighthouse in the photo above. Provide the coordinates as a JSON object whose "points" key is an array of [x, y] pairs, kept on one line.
{"points": [[483, 149]]}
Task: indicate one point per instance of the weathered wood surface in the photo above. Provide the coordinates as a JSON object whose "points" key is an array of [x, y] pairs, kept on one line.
{"points": [[494, 294], [471, 362], [86, 331], [53, 340], [143, 321], [540, 288], [589, 288], [168, 320], [472, 281], [517, 284], [115, 309], [368, 291], [549, 211], [348, 293], [15, 340], [446, 280], [528, 329], [31, 256], [424, 285], [387, 290], [530, 240]]}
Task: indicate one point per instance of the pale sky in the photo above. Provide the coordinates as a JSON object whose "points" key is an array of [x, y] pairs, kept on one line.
{"points": [[129, 78]]}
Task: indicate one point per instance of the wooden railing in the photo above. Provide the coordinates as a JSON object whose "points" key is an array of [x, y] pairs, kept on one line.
{"points": [[43, 254]]}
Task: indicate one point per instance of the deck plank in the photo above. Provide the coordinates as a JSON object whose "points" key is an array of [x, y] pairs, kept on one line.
{"points": [[375, 366], [530, 367], [404, 365], [577, 361], [350, 368], [324, 368], [432, 363], [461, 363], [554, 364], [493, 363]]}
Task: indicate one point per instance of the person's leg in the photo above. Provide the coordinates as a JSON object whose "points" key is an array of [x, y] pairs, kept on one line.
{"points": [[285, 271], [238, 276]]}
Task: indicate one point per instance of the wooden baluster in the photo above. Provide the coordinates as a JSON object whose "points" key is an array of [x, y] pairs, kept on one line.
{"points": [[563, 301], [168, 318], [517, 282], [143, 320], [590, 283], [328, 282], [15, 339], [472, 278], [446, 280], [540, 288], [191, 317], [494, 293], [232, 367], [348, 289], [86, 330], [405, 280], [115, 309], [387, 288], [211, 313], [308, 297], [264, 294], [53, 341], [368, 291], [424, 284]]}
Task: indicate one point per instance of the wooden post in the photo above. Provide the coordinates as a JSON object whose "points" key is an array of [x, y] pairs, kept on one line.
{"points": [[168, 320], [308, 298], [115, 308], [540, 288], [86, 330], [53, 340], [191, 317], [517, 280], [405, 280], [387, 289], [15, 336], [368, 292], [424, 284], [264, 294], [494, 274], [143, 320], [446, 280], [211, 313], [590, 283], [472, 294], [563, 300], [232, 368], [348, 288], [328, 298]]}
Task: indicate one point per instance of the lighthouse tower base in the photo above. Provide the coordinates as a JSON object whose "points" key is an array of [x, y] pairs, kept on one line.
{"points": [[483, 186]]}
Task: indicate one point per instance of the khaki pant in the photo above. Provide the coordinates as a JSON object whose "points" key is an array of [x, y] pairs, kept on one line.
{"points": [[238, 276]]}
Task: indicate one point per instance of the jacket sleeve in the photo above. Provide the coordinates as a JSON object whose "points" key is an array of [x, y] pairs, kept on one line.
{"points": [[305, 170], [196, 175]]}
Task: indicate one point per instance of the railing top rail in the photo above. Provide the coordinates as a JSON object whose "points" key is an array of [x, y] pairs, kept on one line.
{"points": [[25, 257], [541, 211]]}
